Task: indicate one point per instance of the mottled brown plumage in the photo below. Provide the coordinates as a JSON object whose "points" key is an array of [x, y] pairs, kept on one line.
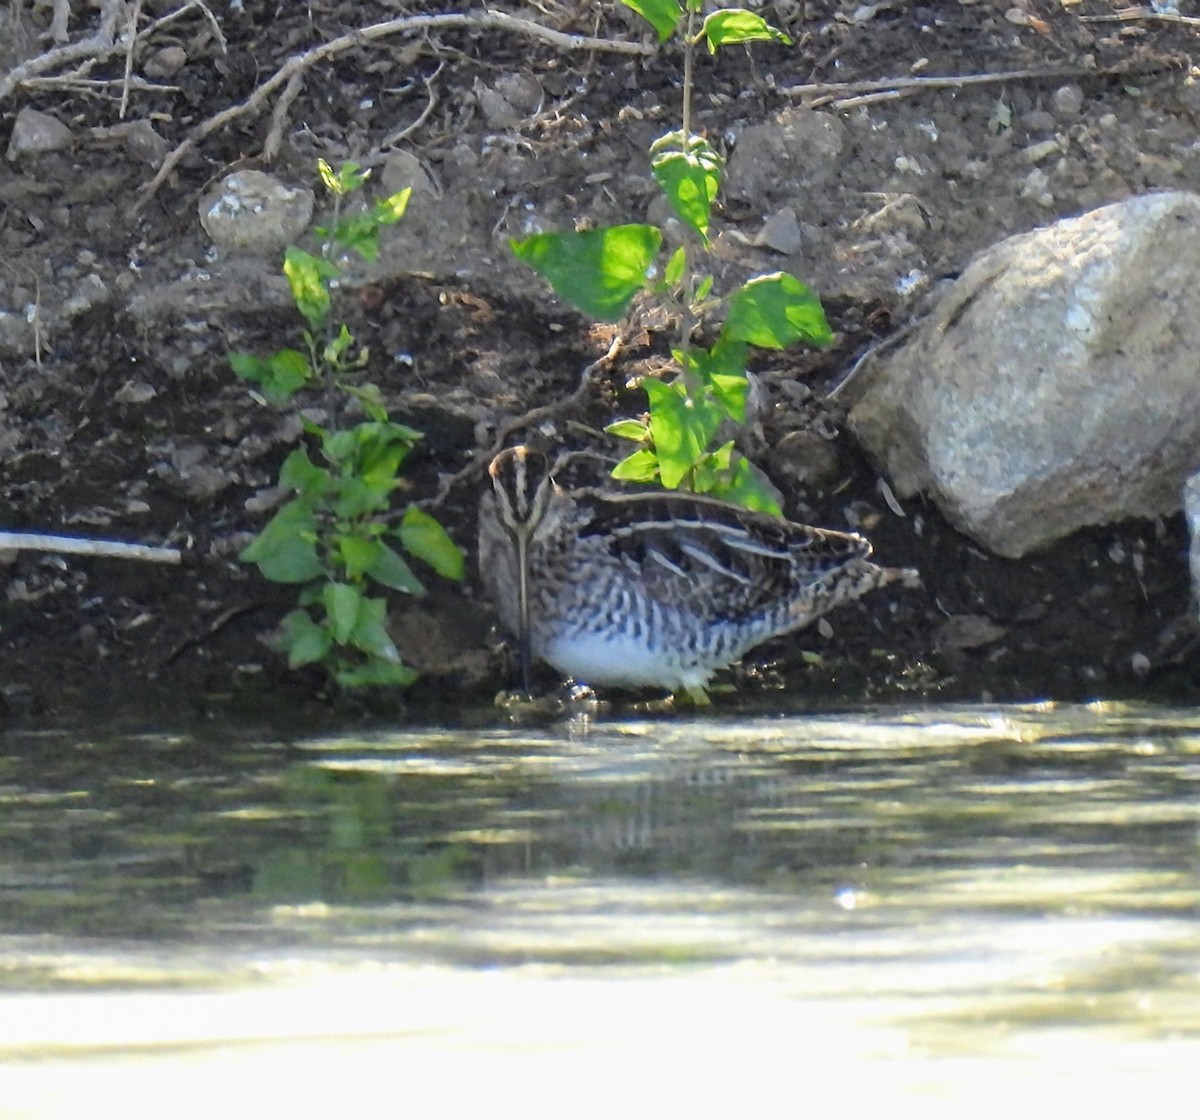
{"points": [[653, 589]]}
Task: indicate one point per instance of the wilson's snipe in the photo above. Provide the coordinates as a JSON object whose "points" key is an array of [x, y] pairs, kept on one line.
{"points": [[655, 589]]}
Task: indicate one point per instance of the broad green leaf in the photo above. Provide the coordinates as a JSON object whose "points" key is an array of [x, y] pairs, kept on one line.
{"points": [[776, 311], [392, 570], [704, 287], [370, 397], [290, 370], [636, 430], [736, 25], [599, 270], [349, 177], [359, 233], [641, 466], [304, 641], [358, 553], [278, 376], [689, 171], [370, 631], [730, 476], [285, 551], [729, 391], [358, 499], [308, 277], [300, 473], [673, 273], [423, 536], [343, 604], [390, 210], [379, 466], [728, 356], [402, 432], [682, 428], [249, 367], [664, 15], [722, 372]]}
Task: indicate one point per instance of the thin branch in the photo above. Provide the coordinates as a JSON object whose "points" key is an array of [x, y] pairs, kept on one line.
{"points": [[77, 82], [170, 17], [100, 45], [279, 117], [86, 546], [391, 141], [1128, 14], [60, 21], [822, 92], [497, 21], [135, 10]]}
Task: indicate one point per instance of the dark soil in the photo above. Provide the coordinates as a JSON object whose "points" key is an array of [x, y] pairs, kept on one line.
{"points": [[124, 421]]}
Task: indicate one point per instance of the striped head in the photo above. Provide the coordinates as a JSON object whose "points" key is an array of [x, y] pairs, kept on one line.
{"points": [[522, 489], [523, 494]]}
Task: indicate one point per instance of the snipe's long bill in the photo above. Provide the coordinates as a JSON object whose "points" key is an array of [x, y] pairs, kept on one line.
{"points": [[653, 589]]}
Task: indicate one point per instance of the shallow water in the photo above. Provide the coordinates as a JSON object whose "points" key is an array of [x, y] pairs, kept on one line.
{"points": [[942, 909]]}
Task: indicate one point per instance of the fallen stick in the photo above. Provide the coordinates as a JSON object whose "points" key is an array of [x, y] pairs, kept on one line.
{"points": [[86, 546], [821, 92]]}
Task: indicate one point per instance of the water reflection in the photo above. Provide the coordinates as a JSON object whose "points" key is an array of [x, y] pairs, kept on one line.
{"points": [[951, 882]]}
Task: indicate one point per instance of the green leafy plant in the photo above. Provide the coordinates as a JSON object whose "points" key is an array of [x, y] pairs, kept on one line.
{"points": [[335, 536], [600, 271]]}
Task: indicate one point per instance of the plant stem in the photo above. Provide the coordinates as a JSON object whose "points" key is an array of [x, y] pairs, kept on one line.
{"points": [[688, 47], [687, 319]]}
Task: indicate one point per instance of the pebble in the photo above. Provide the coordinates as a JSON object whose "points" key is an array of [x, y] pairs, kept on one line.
{"points": [[253, 212], [1067, 101], [165, 63], [35, 132]]}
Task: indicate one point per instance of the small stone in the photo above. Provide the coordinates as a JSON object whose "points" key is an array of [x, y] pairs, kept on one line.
{"points": [[521, 91], [498, 113], [144, 144], [403, 169], [1038, 120], [34, 133], [165, 63], [1067, 101], [781, 232], [135, 392], [252, 212], [967, 631]]}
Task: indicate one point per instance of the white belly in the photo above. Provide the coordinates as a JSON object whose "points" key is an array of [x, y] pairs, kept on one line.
{"points": [[620, 660]]}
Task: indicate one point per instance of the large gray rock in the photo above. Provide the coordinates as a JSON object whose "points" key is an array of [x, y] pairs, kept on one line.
{"points": [[1056, 384], [1191, 507]]}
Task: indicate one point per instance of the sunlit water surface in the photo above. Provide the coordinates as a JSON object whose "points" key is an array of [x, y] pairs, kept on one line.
{"points": [[946, 911]]}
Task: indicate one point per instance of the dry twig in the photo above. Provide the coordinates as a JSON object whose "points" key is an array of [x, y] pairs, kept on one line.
{"points": [[391, 140], [130, 42], [86, 546], [822, 93], [279, 117], [93, 48], [1127, 14]]}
